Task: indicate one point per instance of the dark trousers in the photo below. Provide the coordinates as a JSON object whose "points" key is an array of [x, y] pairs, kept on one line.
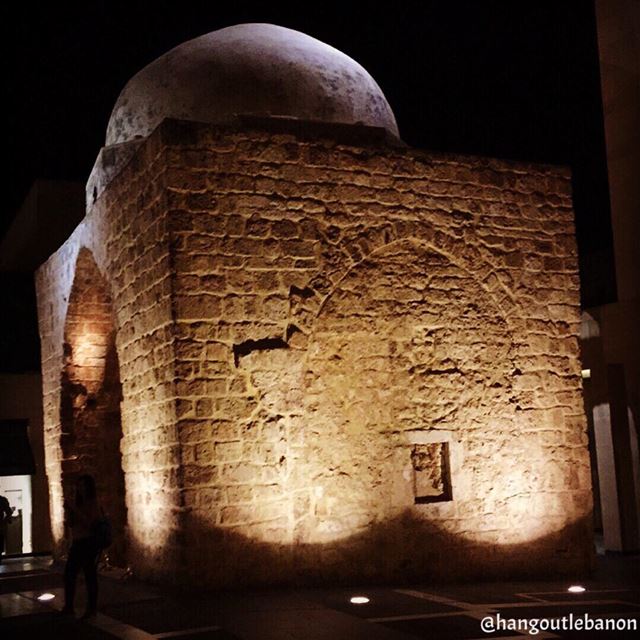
{"points": [[82, 555]]}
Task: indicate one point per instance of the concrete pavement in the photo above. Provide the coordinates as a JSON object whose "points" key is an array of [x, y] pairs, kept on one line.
{"points": [[134, 611]]}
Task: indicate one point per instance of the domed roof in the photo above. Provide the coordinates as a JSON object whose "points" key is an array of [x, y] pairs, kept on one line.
{"points": [[257, 69]]}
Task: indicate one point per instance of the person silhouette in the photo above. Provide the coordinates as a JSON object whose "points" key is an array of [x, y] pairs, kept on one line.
{"points": [[81, 517], [5, 518]]}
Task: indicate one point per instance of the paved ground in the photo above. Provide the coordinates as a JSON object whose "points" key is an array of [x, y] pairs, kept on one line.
{"points": [[134, 611]]}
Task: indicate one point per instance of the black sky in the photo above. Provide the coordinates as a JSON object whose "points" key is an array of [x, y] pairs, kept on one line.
{"points": [[514, 79]]}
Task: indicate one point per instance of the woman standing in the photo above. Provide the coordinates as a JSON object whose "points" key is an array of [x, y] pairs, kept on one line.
{"points": [[82, 516]]}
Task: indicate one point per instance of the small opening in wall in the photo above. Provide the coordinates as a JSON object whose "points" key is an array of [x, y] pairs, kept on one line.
{"points": [[301, 292], [264, 344], [431, 472]]}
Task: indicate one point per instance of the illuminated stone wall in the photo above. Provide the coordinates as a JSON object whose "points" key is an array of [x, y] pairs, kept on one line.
{"points": [[339, 361], [125, 233]]}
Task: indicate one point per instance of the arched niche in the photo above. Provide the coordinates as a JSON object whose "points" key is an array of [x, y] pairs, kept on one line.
{"points": [[90, 398]]}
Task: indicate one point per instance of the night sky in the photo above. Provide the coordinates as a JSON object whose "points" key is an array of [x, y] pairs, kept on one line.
{"points": [[516, 79]]}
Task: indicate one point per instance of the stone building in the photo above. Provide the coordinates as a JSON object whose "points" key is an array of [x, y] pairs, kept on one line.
{"points": [[293, 349]]}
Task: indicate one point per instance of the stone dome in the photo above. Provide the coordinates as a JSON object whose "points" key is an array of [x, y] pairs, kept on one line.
{"points": [[257, 69]]}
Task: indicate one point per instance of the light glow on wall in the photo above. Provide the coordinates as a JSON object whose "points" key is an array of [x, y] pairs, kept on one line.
{"points": [[89, 344]]}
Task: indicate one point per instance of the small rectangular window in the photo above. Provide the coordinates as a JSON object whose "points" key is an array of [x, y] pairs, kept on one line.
{"points": [[431, 472]]}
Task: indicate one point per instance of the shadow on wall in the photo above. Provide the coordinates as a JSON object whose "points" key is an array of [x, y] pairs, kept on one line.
{"points": [[401, 550]]}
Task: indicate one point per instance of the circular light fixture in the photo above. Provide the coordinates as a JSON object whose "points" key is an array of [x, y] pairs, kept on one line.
{"points": [[45, 597], [359, 600], [576, 588]]}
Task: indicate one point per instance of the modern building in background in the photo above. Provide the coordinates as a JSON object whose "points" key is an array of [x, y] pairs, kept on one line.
{"points": [[49, 213], [609, 339]]}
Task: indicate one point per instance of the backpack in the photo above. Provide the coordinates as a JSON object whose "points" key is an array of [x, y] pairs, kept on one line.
{"points": [[103, 532]]}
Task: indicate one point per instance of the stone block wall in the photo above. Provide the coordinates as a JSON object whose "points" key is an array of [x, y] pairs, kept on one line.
{"points": [[125, 235], [338, 361], [339, 310]]}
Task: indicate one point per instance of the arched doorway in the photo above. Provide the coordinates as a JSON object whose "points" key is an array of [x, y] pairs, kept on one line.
{"points": [[90, 398]]}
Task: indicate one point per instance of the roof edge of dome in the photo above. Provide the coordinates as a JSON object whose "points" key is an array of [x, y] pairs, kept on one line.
{"points": [[112, 159]]}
